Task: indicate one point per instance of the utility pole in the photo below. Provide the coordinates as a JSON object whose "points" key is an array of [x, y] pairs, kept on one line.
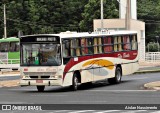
{"points": [[5, 29], [101, 15]]}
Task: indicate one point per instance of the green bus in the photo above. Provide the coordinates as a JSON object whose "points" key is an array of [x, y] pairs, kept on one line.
{"points": [[9, 53]]}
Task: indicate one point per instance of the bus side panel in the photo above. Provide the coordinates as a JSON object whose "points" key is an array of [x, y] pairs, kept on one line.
{"points": [[87, 75], [126, 69], [67, 80]]}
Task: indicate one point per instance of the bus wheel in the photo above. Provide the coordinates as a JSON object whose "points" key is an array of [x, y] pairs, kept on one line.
{"points": [[117, 78], [74, 86], [40, 88]]}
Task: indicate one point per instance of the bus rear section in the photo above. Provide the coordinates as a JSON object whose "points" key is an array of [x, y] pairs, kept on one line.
{"points": [[40, 61]]}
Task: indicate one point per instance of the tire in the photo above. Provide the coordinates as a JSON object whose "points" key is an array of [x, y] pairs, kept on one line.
{"points": [[40, 88], [117, 78], [75, 82]]}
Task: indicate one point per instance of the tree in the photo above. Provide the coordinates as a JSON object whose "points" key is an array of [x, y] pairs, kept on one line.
{"points": [[92, 11], [41, 16], [152, 47], [148, 11]]}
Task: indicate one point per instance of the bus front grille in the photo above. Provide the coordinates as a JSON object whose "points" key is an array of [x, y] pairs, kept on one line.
{"points": [[33, 76], [39, 77]]}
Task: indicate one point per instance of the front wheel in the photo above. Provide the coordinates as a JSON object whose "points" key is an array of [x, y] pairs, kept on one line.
{"points": [[117, 78], [74, 86], [40, 88]]}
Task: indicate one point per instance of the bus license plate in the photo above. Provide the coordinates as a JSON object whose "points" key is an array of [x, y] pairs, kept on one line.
{"points": [[39, 81]]}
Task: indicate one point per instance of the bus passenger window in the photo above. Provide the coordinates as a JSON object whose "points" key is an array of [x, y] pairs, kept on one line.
{"points": [[134, 42], [99, 45], [107, 44], [90, 47], [84, 48], [126, 43], [95, 46], [75, 47], [119, 44], [78, 47], [4, 47], [14, 46], [115, 44], [66, 48]]}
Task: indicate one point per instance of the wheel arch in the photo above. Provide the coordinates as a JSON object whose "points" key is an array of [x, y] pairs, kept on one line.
{"points": [[119, 65], [78, 74]]}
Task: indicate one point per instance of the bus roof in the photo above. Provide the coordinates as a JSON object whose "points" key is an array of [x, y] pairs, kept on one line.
{"points": [[10, 39], [85, 34]]}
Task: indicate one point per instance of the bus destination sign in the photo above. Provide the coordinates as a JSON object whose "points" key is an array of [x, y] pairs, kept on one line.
{"points": [[35, 38], [46, 39]]}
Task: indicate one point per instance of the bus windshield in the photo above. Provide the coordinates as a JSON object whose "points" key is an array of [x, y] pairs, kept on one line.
{"points": [[46, 54]]}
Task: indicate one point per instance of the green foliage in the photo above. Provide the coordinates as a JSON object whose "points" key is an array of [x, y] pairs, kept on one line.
{"points": [[148, 11], [93, 10], [41, 16], [152, 47]]}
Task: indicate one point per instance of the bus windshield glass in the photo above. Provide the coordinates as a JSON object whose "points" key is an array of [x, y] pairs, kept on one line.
{"points": [[46, 54]]}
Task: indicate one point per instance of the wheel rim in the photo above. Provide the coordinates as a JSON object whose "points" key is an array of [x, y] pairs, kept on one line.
{"points": [[118, 75], [75, 82]]}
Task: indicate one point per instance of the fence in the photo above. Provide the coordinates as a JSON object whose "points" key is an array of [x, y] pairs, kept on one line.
{"points": [[152, 56], [10, 63]]}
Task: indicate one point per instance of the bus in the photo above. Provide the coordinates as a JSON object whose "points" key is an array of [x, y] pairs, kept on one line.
{"points": [[77, 58], [9, 53]]}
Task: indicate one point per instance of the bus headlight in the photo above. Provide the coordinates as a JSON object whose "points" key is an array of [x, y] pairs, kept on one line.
{"points": [[24, 76]]}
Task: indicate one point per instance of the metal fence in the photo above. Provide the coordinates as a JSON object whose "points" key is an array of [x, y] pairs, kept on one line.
{"points": [[152, 56], [9, 63]]}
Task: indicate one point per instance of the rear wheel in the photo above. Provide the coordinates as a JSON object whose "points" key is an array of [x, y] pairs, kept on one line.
{"points": [[74, 86], [40, 88], [117, 78]]}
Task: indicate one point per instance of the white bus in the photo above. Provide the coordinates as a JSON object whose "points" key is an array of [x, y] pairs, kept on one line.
{"points": [[73, 59]]}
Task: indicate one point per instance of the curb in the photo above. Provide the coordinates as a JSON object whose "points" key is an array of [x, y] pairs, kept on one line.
{"points": [[153, 85], [147, 71]]}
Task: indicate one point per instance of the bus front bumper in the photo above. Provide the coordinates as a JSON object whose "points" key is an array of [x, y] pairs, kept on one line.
{"points": [[39, 82]]}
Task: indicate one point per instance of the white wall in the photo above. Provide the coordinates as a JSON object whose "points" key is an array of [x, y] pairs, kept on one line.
{"points": [[122, 9]]}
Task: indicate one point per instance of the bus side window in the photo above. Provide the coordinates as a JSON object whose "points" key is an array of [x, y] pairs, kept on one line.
{"points": [[84, 49], [17, 46], [5, 47], [75, 47], [134, 42], [12, 47], [119, 44], [126, 43], [66, 48], [107, 44], [78, 47], [115, 44], [66, 51], [99, 45], [89, 44], [95, 45]]}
